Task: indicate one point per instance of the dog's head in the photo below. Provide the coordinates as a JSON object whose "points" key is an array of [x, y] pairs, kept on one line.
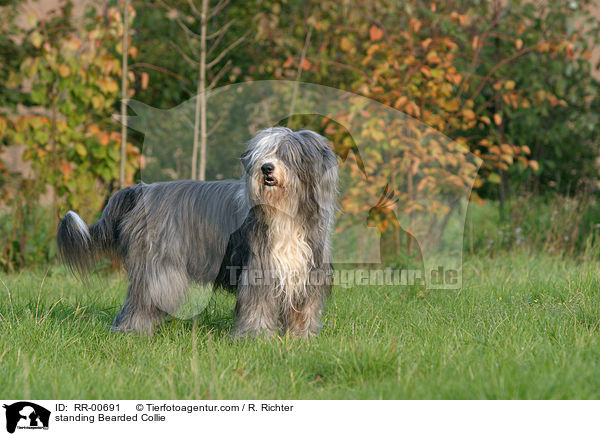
{"points": [[290, 172]]}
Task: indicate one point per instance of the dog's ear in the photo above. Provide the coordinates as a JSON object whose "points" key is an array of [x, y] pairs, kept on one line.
{"points": [[329, 178], [328, 155], [245, 160]]}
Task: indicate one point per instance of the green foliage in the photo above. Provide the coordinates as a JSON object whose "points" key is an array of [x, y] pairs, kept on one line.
{"points": [[11, 53], [552, 224], [509, 80], [74, 75], [172, 78], [69, 79], [26, 234], [552, 101], [165, 49]]}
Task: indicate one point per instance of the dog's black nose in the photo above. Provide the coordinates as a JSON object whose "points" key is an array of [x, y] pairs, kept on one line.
{"points": [[267, 168]]}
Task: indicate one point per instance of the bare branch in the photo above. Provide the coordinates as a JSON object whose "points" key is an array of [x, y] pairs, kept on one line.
{"points": [[187, 29], [195, 12], [475, 60], [299, 73], [345, 66], [189, 37], [222, 30], [160, 69], [213, 128], [227, 50], [216, 43], [186, 57], [218, 7], [219, 74], [500, 64]]}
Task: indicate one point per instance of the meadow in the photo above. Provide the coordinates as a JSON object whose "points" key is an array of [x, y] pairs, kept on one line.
{"points": [[524, 325], [515, 84]]}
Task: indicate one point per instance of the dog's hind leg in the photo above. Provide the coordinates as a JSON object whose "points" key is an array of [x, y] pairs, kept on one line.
{"points": [[138, 314], [153, 293]]}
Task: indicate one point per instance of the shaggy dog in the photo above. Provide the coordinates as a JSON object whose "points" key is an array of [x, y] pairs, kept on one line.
{"points": [[265, 237]]}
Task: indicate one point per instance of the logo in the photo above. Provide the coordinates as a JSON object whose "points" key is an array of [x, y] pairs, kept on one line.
{"points": [[26, 415]]}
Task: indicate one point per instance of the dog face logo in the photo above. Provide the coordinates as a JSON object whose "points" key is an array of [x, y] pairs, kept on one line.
{"points": [[26, 415]]}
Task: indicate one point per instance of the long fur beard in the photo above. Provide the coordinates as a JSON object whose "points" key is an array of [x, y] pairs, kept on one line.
{"points": [[291, 258]]}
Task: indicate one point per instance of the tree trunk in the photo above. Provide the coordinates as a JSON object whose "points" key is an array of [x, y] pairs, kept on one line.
{"points": [[203, 132], [124, 94], [199, 168], [298, 75]]}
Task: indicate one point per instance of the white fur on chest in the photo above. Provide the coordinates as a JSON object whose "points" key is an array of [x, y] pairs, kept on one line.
{"points": [[291, 257]]}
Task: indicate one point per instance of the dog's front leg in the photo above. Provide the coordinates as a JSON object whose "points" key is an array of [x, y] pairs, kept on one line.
{"points": [[305, 321], [256, 312]]}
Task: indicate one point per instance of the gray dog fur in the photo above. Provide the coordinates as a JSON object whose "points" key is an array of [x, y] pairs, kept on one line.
{"points": [[265, 237]]}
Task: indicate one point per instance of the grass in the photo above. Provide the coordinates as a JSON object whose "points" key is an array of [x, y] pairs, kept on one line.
{"points": [[523, 326]]}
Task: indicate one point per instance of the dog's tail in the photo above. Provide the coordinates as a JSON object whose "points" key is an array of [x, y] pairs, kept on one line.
{"points": [[80, 246]]}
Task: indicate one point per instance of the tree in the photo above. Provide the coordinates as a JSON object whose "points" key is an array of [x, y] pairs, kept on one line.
{"points": [[69, 82], [482, 73], [198, 46], [124, 72]]}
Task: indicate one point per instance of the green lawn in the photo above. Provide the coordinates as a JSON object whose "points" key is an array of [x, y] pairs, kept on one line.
{"points": [[523, 326]]}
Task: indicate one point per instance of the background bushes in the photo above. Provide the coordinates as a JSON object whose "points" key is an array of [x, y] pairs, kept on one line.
{"points": [[511, 81]]}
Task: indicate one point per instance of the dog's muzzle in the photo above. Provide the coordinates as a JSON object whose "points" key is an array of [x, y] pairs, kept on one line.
{"points": [[267, 170]]}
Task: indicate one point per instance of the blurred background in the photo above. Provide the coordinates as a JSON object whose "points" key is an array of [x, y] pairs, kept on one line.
{"points": [[515, 83]]}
